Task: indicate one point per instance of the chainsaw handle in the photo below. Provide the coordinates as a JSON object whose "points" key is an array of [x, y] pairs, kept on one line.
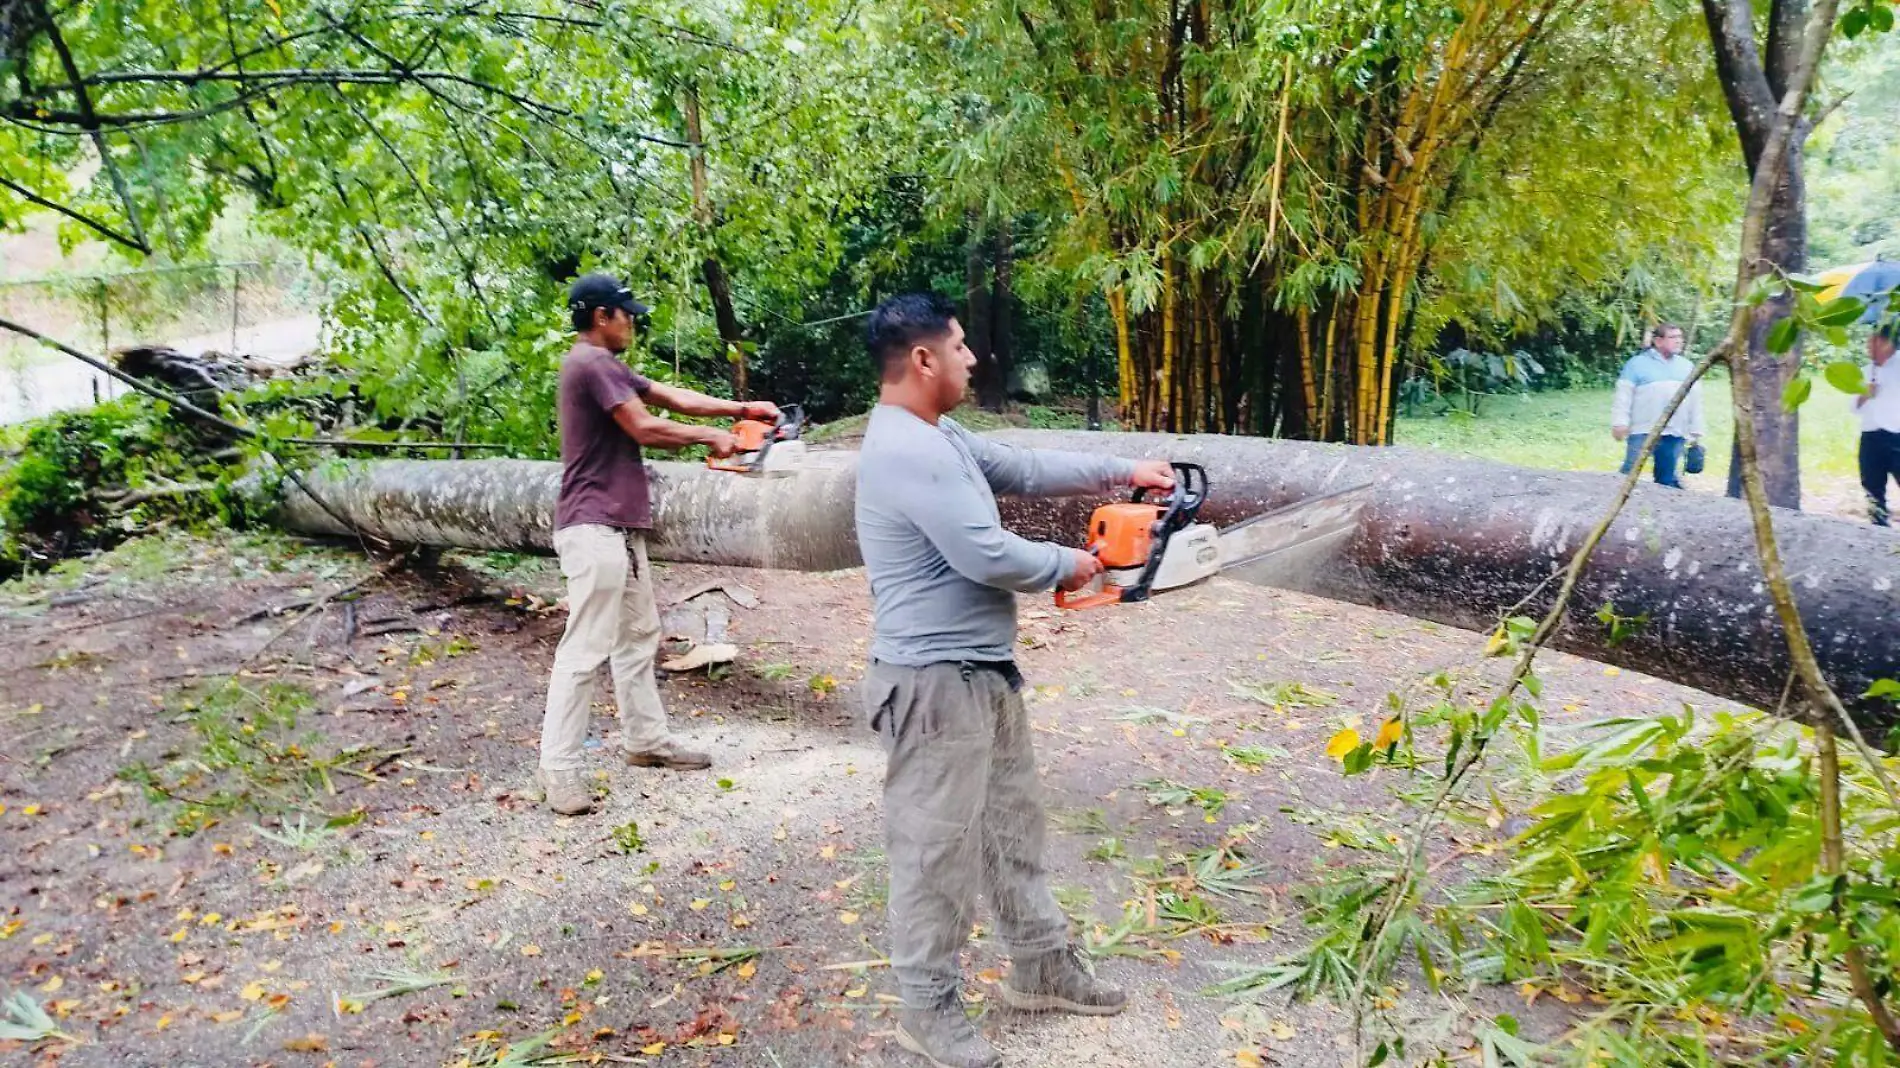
{"points": [[790, 417], [1185, 499]]}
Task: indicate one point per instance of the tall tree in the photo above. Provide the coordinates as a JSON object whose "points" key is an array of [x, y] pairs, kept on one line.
{"points": [[1754, 62], [1255, 188]]}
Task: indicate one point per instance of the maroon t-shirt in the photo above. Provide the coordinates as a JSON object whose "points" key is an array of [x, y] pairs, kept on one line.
{"points": [[603, 478]]}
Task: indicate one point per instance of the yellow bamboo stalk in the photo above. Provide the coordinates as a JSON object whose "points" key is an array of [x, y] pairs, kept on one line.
{"points": [[1326, 379], [1124, 355], [1167, 406], [1303, 322]]}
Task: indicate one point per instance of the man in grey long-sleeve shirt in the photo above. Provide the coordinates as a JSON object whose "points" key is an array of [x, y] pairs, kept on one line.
{"points": [[962, 805]]}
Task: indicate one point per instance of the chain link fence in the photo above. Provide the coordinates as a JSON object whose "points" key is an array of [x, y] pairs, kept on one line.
{"points": [[244, 308]]}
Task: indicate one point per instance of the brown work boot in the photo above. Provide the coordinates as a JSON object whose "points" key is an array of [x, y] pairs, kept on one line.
{"points": [[669, 754], [944, 1036], [565, 792], [1057, 982]]}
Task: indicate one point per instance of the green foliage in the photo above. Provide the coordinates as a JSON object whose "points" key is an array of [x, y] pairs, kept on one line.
{"points": [[61, 494], [244, 754], [1674, 868], [1167, 792]]}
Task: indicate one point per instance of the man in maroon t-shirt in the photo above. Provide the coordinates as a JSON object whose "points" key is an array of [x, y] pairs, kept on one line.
{"points": [[600, 525]]}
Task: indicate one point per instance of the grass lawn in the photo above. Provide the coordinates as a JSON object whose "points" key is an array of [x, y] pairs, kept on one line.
{"points": [[1570, 430]]}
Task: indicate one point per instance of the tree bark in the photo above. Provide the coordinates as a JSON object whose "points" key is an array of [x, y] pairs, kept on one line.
{"points": [[1002, 342], [1450, 540], [1752, 87], [718, 287], [989, 387], [1777, 430]]}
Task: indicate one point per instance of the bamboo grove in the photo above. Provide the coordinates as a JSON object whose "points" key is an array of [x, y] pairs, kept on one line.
{"points": [[1265, 195]]}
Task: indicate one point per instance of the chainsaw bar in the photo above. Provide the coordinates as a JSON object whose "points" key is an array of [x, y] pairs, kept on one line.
{"points": [[1287, 547]]}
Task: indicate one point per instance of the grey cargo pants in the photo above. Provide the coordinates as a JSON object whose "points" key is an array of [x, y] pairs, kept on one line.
{"points": [[962, 813]]}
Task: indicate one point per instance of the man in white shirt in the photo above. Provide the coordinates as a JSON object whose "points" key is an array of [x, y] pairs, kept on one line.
{"points": [[1879, 410]]}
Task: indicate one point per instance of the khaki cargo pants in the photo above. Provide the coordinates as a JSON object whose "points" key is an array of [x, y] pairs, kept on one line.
{"points": [[962, 813], [612, 618]]}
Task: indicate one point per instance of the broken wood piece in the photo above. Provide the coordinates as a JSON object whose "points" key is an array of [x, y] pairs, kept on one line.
{"points": [[743, 596], [702, 656]]}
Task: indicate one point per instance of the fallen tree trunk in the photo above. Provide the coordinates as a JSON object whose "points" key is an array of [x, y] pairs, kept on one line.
{"points": [[1445, 539], [801, 523], [1461, 541]]}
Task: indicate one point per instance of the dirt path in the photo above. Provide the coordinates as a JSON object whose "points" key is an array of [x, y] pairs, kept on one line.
{"points": [[745, 925]]}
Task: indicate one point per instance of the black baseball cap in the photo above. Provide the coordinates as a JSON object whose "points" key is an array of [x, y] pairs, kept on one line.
{"points": [[603, 291]]}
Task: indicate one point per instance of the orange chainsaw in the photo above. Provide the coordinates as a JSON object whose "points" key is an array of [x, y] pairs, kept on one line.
{"points": [[1146, 546], [775, 448]]}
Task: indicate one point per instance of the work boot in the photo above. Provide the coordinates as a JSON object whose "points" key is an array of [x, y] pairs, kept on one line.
{"points": [[566, 792], [944, 1036], [669, 754], [1057, 982]]}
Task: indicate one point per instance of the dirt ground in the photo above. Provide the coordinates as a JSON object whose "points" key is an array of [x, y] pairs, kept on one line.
{"points": [[187, 877]]}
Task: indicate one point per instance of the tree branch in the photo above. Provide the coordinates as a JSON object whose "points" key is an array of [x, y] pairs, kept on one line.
{"points": [[95, 225], [1738, 66], [90, 120]]}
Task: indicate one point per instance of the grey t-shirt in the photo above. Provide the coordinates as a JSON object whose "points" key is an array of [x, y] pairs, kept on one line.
{"points": [[944, 573]]}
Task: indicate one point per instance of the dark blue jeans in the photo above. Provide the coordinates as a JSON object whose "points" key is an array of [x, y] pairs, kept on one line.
{"points": [[1667, 459], [1879, 461]]}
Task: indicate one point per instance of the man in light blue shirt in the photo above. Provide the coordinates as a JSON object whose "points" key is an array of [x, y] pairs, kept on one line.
{"points": [[1643, 389], [962, 804]]}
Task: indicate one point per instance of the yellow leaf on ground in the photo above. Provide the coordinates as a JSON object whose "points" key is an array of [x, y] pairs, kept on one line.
{"points": [[726, 1039], [311, 1043], [209, 918], [531, 950], [1389, 733], [1342, 743], [595, 976], [637, 909], [570, 1019], [52, 985], [699, 904], [1613, 672], [748, 970], [740, 920], [227, 1017], [1247, 1058], [828, 852], [253, 992], [728, 885], [654, 1050], [1280, 1030], [164, 1022], [43, 939], [30, 810], [847, 918]]}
